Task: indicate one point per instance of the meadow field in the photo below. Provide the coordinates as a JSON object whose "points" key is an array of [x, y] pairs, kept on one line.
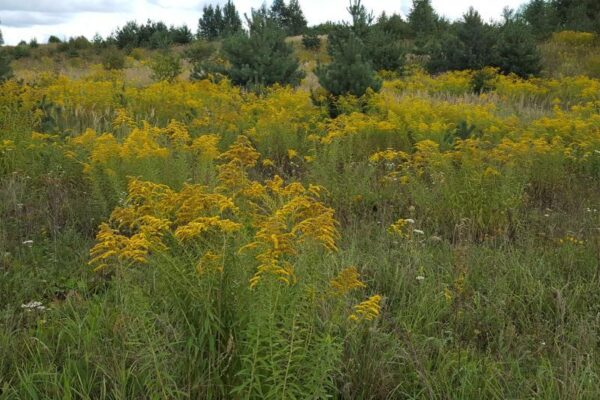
{"points": [[196, 240]]}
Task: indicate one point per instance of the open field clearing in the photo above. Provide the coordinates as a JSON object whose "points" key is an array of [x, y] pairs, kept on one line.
{"points": [[194, 240]]}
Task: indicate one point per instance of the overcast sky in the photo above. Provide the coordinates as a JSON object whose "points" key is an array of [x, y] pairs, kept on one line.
{"points": [[26, 19]]}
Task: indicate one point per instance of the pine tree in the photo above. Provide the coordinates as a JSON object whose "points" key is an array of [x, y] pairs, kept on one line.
{"points": [[290, 17], [209, 25], [261, 57], [5, 68], [578, 15], [468, 44], [478, 42], [384, 43], [517, 51], [232, 22], [5, 59], [277, 12], [218, 22], [349, 72], [384, 50], [181, 35], [128, 36], [361, 18], [541, 17], [295, 22], [422, 19], [444, 52]]}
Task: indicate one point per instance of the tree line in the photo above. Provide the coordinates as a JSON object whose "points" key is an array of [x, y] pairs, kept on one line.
{"points": [[258, 55]]}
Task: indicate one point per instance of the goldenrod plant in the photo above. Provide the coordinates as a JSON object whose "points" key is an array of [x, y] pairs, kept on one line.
{"points": [[193, 239]]}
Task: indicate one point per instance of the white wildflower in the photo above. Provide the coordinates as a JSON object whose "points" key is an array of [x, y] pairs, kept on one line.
{"points": [[33, 305], [28, 242], [418, 231], [420, 278]]}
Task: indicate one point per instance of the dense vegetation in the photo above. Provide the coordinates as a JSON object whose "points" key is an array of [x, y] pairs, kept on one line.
{"points": [[360, 233]]}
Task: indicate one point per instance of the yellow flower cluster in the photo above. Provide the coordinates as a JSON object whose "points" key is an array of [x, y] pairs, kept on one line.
{"points": [[346, 280], [402, 228], [152, 211], [297, 218], [570, 239], [284, 217], [368, 310]]}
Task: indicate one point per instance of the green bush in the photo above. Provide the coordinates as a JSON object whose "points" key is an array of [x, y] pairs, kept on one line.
{"points": [[483, 80], [22, 50], [204, 60], [165, 67], [113, 59], [5, 67], [311, 41]]}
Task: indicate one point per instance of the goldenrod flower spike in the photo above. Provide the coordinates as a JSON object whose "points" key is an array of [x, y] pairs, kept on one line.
{"points": [[347, 280], [368, 310]]}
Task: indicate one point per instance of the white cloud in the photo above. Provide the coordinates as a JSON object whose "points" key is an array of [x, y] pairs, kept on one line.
{"points": [[26, 19], [64, 6]]}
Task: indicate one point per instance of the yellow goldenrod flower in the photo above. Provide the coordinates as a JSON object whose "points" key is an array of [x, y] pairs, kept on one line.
{"points": [[368, 310], [346, 280]]}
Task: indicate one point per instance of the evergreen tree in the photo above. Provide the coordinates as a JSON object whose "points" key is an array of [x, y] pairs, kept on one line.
{"points": [[311, 41], [422, 19], [361, 18], [384, 49], [277, 13], [290, 17], [5, 59], [151, 34], [578, 15], [477, 42], [384, 43], [394, 26], [208, 25], [517, 51], [128, 36], [349, 72], [232, 22], [218, 23], [547, 16], [5, 68], [468, 44], [181, 35], [444, 52], [541, 17], [295, 22], [261, 57]]}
